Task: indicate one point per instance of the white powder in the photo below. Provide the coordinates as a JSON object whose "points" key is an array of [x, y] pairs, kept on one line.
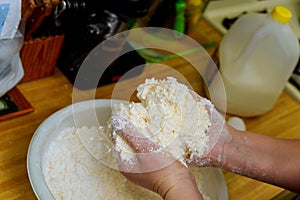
{"points": [[170, 116], [72, 173]]}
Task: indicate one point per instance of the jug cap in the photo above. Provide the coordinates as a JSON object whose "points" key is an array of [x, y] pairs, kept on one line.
{"points": [[281, 14]]}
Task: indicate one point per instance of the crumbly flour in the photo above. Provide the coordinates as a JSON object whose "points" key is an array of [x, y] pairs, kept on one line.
{"points": [[71, 172], [169, 115]]}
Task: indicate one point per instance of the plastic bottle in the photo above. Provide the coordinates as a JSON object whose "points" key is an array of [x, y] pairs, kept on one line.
{"points": [[257, 57]]}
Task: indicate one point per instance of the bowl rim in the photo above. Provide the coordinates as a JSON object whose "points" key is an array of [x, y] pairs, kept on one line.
{"points": [[40, 190]]}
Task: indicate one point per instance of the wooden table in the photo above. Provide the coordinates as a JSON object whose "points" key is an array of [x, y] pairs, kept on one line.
{"points": [[50, 94]]}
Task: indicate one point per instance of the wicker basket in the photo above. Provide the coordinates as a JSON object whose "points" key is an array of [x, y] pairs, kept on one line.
{"points": [[39, 56]]}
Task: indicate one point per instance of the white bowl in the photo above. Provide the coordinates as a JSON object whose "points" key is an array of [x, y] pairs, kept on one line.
{"points": [[89, 113]]}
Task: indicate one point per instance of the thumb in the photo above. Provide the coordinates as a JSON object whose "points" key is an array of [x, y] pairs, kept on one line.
{"points": [[149, 156]]}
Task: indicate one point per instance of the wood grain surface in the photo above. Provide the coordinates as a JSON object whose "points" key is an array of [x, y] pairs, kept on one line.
{"points": [[53, 93]]}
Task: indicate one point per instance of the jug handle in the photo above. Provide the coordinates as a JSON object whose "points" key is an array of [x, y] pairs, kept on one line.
{"points": [[246, 52]]}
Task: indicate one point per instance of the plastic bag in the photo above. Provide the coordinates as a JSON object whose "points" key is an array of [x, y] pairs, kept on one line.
{"points": [[10, 17], [11, 69], [11, 42]]}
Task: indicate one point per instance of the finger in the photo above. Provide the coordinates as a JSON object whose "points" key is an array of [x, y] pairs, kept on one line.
{"points": [[208, 105], [149, 156], [125, 166], [214, 131], [137, 141], [196, 96]]}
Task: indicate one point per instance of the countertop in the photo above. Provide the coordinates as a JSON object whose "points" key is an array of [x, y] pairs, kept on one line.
{"points": [[52, 93]]}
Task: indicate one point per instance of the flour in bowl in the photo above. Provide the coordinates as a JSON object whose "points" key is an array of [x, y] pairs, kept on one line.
{"points": [[71, 172]]}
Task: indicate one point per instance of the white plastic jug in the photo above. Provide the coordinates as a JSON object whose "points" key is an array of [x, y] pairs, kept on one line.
{"points": [[257, 57]]}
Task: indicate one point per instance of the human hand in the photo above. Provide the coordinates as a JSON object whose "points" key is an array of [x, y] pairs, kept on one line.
{"points": [[251, 154], [218, 135], [153, 168]]}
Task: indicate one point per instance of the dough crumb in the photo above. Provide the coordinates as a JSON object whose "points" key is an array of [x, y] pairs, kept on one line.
{"points": [[167, 114]]}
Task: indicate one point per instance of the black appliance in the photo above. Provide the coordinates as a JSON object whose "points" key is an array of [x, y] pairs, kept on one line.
{"points": [[85, 24]]}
